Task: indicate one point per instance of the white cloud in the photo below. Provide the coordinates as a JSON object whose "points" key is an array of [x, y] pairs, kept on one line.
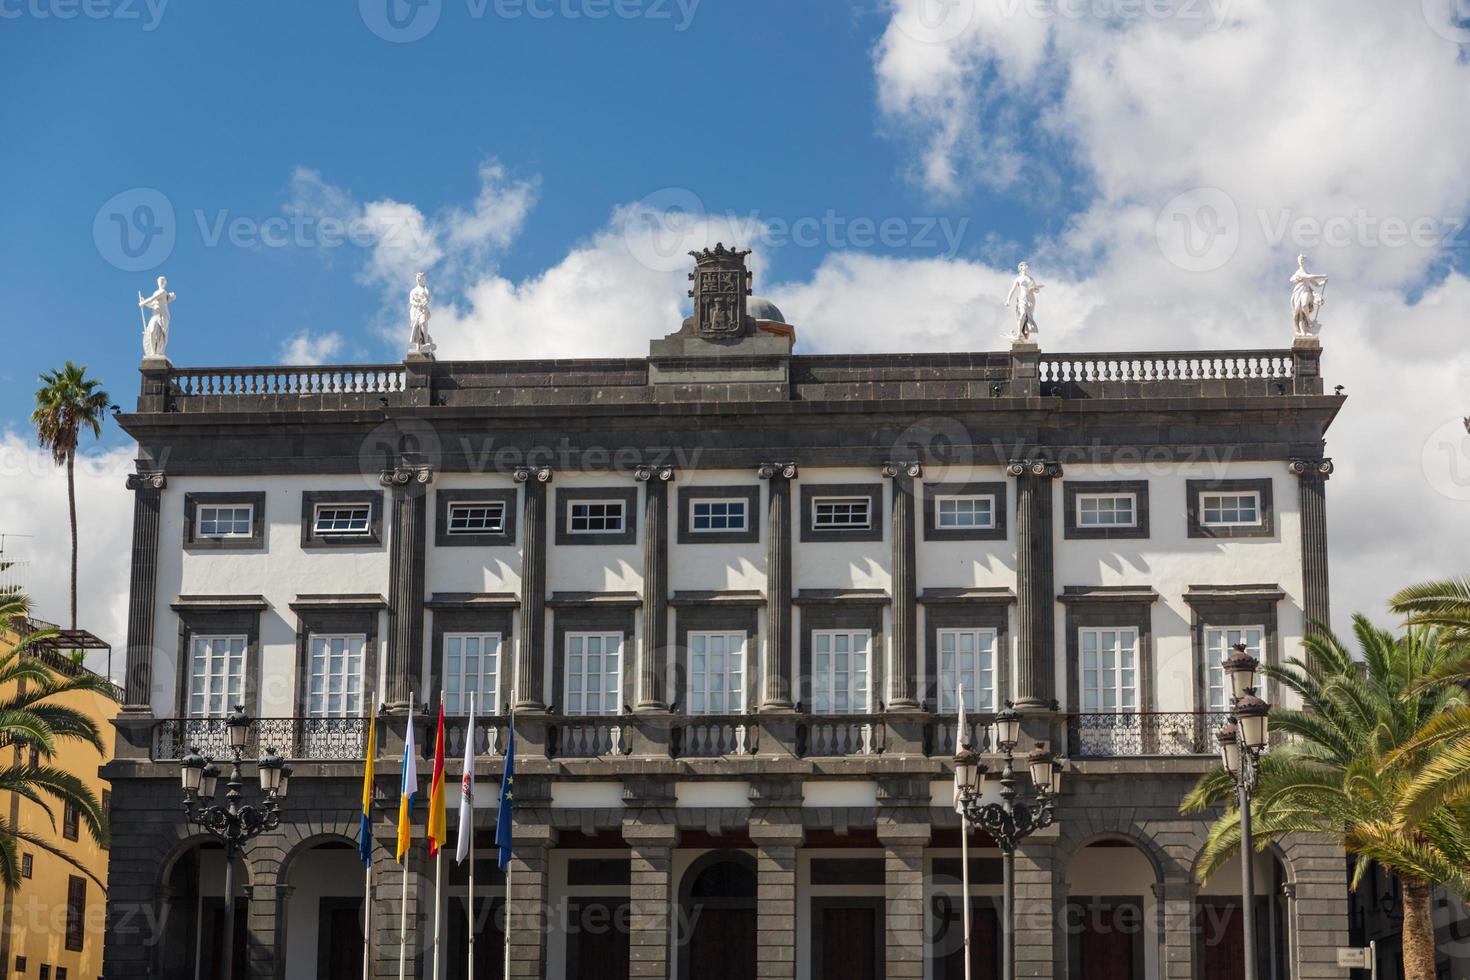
{"points": [[311, 348], [33, 508]]}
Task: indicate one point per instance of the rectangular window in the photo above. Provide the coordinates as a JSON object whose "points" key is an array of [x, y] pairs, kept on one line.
{"points": [[76, 914], [226, 520], [841, 513], [1218, 641], [472, 517], [1230, 509], [20, 964], [471, 666], [216, 675], [45, 971], [1109, 671], [716, 673], [27, 863], [341, 520], [593, 673], [840, 667], [1098, 510], [717, 515], [71, 821], [954, 513], [334, 676], [595, 516], [966, 656]]}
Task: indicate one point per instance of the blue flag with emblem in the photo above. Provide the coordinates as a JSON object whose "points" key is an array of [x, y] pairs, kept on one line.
{"points": [[504, 823]]}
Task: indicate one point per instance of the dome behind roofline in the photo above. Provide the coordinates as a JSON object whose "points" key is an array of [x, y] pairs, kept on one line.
{"points": [[760, 308]]}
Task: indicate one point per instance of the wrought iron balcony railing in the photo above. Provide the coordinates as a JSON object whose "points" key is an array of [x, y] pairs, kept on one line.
{"points": [[1093, 736]]}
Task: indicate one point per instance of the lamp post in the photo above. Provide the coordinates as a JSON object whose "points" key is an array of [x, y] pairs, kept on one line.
{"points": [[231, 822], [1242, 741], [1011, 820]]}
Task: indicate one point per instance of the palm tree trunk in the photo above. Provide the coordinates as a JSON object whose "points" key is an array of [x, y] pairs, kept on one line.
{"points": [[71, 502], [1418, 935]]}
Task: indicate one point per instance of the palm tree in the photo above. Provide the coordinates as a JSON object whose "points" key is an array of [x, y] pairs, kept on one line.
{"points": [[67, 402], [33, 723], [1444, 604], [1354, 750]]}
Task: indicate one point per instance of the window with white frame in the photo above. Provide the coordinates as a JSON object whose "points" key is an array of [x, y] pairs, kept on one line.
{"points": [[471, 666], [841, 661], [956, 512], [718, 515], [596, 516], [593, 673], [334, 675], [716, 673], [842, 513], [216, 675], [225, 520], [476, 517], [1218, 642], [1106, 510], [966, 657], [341, 520], [1230, 509], [1109, 670]]}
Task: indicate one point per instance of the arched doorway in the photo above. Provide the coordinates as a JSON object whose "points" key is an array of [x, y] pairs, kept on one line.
{"points": [[323, 927], [716, 928], [192, 915], [1112, 915]]}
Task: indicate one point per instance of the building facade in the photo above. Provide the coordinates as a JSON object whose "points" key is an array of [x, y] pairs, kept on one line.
{"points": [[53, 925], [730, 593]]}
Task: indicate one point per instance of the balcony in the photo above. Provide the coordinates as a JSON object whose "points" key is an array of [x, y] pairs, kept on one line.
{"points": [[1110, 736]]}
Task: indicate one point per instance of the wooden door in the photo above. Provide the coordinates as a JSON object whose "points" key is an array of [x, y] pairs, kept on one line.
{"points": [[723, 945], [1223, 944], [849, 942], [210, 951], [339, 943], [1106, 952], [597, 945], [984, 945]]}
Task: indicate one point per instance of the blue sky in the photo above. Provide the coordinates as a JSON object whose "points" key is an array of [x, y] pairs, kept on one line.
{"points": [[547, 161]]}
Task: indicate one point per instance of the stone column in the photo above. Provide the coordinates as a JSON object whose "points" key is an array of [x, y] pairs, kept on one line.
{"points": [[1176, 899], [1312, 475], [904, 688], [776, 666], [530, 677], [903, 888], [653, 651], [265, 940], [409, 487], [1317, 913], [527, 910], [1035, 687], [775, 921], [1040, 934], [143, 588], [651, 850]]}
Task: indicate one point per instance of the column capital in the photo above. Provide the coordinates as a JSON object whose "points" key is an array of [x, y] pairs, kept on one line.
{"points": [[147, 480], [662, 474], [771, 471], [1315, 469], [912, 469], [407, 474], [1045, 468], [524, 474]]}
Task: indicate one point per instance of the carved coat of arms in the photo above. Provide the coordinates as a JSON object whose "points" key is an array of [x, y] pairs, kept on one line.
{"points": [[721, 284]]}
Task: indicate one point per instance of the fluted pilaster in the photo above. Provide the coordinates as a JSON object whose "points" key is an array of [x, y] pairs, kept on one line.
{"points": [[904, 689], [776, 668], [530, 679], [1035, 585], [653, 651], [143, 586]]}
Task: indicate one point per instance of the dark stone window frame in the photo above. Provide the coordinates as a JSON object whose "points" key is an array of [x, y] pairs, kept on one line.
{"points": [[975, 615], [811, 492], [851, 616], [348, 617], [1073, 489], [1208, 611], [194, 541], [686, 496], [593, 619], [311, 498], [444, 499], [1262, 486], [1094, 610], [468, 620], [566, 496], [933, 491], [219, 621], [715, 618]]}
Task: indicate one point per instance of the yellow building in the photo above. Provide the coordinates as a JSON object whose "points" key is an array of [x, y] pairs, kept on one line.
{"points": [[52, 927]]}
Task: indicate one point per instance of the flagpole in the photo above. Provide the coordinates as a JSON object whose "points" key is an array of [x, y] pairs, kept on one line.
{"points": [[470, 902], [508, 870], [509, 865], [403, 905], [367, 879], [438, 870], [962, 737]]}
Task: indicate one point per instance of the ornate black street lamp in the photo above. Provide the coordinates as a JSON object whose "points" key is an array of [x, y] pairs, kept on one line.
{"points": [[1242, 741], [231, 822], [1009, 821]]}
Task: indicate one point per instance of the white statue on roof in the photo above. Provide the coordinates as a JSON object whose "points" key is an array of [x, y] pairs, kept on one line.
{"points": [[1307, 297], [155, 329], [1023, 293], [419, 298]]}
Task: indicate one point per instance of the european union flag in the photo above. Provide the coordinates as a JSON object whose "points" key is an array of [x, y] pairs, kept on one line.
{"points": [[505, 822]]}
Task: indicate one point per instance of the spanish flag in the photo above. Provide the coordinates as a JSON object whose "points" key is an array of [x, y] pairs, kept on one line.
{"points": [[437, 834], [406, 794], [365, 838]]}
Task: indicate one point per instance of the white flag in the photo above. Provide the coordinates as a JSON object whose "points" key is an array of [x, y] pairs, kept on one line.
{"points": [[961, 740], [467, 791]]}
